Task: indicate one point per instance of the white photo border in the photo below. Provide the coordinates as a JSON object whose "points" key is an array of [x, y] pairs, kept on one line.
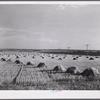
{"points": [[49, 94]]}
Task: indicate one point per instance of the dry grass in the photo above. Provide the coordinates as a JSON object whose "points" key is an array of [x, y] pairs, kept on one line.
{"points": [[32, 78], [57, 81], [61, 83]]}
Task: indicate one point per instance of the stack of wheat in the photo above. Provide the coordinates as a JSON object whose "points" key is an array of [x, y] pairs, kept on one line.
{"points": [[8, 73], [32, 76]]}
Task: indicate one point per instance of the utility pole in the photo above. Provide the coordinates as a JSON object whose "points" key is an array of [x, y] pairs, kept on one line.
{"points": [[87, 48], [68, 48]]}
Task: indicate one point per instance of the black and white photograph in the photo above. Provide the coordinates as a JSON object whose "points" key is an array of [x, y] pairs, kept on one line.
{"points": [[50, 46]]}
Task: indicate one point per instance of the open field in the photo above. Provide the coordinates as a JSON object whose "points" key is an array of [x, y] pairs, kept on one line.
{"points": [[20, 71]]}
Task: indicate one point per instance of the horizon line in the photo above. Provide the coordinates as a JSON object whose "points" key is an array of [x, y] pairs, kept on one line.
{"points": [[47, 49]]}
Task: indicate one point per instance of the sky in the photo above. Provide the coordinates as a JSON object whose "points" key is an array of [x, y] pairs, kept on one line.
{"points": [[44, 26]]}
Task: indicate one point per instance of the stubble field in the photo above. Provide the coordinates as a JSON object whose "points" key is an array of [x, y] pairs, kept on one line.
{"points": [[26, 75]]}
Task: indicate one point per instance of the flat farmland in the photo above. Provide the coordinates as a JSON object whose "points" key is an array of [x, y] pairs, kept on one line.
{"points": [[20, 71]]}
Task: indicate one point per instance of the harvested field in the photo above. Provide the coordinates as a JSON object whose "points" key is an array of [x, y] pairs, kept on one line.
{"points": [[31, 77]]}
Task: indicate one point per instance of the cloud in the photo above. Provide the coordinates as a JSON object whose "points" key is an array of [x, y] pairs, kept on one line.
{"points": [[66, 6], [45, 39], [39, 33], [25, 35], [8, 32]]}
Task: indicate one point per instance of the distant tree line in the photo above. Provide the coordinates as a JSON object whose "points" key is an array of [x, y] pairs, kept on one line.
{"points": [[73, 52]]}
